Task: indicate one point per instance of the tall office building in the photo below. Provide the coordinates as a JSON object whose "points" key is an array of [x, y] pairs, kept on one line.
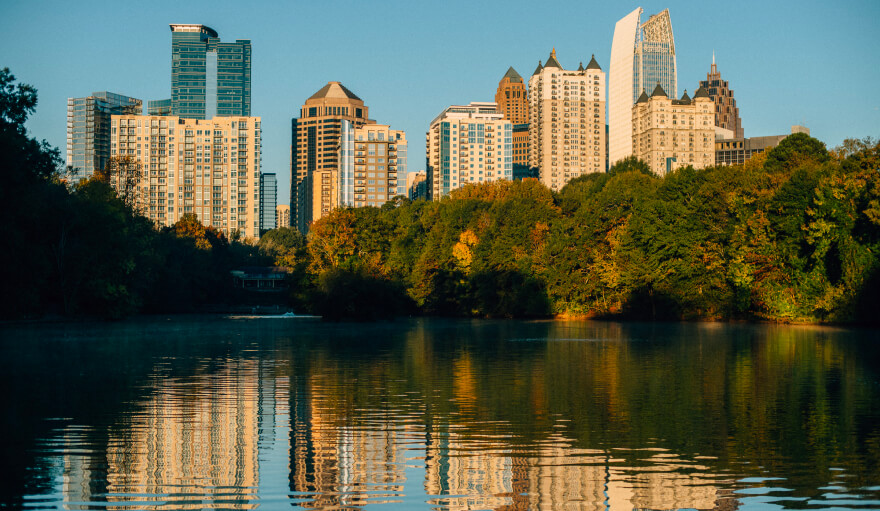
{"points": [[88, 130], [314, 151], [642, 55], [268, 200], [726, 112], [673, 133], [282, 216], [512, 97], [210, 168], [208, 78], [468, 144], [372, 164], [567, 121]]}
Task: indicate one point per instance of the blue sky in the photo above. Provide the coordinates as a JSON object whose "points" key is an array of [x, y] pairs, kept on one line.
{"points": [[788, 62]]}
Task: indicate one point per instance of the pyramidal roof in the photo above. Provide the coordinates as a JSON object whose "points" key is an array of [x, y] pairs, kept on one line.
{"points": [[593, 64], [643, 98], [658, 91], [334, 90], [552, 62], [538, 69], [701, 93], [513, 75], [580, 66]]}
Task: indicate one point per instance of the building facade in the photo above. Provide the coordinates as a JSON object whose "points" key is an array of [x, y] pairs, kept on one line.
{"points": [[642, 55], [282, 216], [314, 151], [209, 78], [417, 185], [468, 144], [672, 133], [210, 168], [372, 164], [567, 121], [268, 201], [736, 151], [88, 130], [726, 112]]}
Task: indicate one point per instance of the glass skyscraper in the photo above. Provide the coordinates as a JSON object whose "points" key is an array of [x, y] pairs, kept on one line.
{"points": [[88, 130], [268, 200], [208, 78]]}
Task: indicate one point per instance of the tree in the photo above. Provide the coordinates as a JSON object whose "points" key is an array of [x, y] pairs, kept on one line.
{"points": [[125, 173]]}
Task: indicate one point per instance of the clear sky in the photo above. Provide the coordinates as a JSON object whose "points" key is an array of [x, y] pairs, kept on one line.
{"points": [[788, 62]]}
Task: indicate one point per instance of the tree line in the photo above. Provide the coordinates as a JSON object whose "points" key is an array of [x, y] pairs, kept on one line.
{"points": [[792, 235]]}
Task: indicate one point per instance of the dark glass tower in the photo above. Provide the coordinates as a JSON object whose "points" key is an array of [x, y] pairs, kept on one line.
{"points": [[209, 78]]}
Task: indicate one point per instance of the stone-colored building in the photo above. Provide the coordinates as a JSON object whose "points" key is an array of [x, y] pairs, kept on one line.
{"points": [[726, 112], [736, 151], [210, 168], [468, 144], [372, 161], [566, 121], [512, 97], [673, 133], [417, 185], [314, 151], [282, 216]]}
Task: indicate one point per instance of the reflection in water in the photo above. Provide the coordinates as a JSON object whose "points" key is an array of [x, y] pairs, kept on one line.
{"points": [[442, 415]]}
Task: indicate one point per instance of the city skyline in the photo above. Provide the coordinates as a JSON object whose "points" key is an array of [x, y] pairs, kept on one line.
{"points": [[773, 61]]}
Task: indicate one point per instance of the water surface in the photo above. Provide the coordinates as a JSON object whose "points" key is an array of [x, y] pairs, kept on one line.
{"points": [[217, 413]]}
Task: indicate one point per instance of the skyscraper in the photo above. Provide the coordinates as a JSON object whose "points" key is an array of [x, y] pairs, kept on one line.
{"points": [[726, 112], [512, 97], [268, 200], [566, 121], [314, 151], [468, 144], [282, 216], [208, 78], [88, 130], [642, 55]]}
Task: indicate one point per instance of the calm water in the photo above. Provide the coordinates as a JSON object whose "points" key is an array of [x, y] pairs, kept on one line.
{"points": [[216, 413]]}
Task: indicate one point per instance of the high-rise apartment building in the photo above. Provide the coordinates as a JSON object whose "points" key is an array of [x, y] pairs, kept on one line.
{"points": [[672, 133], [726, 112], [314, 151], [567, 121], [208, 78], [210, 168], [468, 144], [372, 164], [88, 130], [268, 200], [282, 216], [512, 97], [642, 56]]}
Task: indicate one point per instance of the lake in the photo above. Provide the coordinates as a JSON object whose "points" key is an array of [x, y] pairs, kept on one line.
{"points": [[224, 413]]}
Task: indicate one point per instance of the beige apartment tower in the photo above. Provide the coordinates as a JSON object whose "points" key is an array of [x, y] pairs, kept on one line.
{"points": [[314, 151], [282, 216], [566, 121], [673, 133], [372, 161], [210, 168]]}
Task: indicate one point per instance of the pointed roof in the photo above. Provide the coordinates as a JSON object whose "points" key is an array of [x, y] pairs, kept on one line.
{"points": [[643, 98], [334, 90], [538, 69], [552, 62], [580, 66], [658, 91], [593, 64], [701, 93], [685, 97], [513, 75]]}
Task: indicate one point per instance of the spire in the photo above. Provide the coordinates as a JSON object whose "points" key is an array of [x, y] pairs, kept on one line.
{"points": [[513, 75], [643, 98], [658, 91], [538, 69], [552, 62], [580, 66], [714, 69], [593, 64]]}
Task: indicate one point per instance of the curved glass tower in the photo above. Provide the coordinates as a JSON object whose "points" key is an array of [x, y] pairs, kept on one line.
{"points": [[642, 55]]}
